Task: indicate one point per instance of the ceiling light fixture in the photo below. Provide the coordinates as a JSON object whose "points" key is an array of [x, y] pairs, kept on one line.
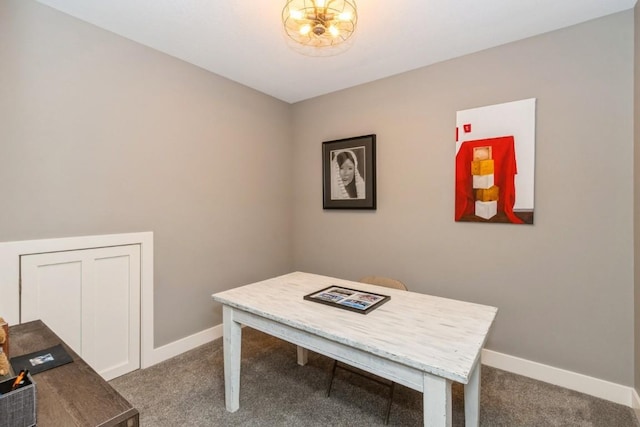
{"points": [[320, 27]]}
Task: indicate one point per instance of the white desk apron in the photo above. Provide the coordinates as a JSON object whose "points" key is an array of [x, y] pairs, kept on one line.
{"points": [[420, 341]]}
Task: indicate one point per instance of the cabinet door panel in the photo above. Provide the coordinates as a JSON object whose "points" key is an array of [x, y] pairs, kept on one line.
{"points": [[52, 291], [91, 299], [114, 336]]}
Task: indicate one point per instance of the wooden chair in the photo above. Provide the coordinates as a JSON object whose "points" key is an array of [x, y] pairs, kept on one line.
{"points": [[387, 283]]}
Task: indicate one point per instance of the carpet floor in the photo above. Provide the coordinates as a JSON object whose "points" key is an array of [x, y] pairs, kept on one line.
{"points": [[188, 390]]}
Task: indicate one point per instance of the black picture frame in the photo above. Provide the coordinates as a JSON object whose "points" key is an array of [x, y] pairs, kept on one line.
{"points": [[362, 302], [360, 191]]}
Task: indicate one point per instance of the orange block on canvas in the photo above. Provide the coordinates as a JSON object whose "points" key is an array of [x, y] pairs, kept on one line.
{"points": [[487, 194], [482, 167]]}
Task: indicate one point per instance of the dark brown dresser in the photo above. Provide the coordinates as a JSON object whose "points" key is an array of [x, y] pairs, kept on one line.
{"points": [[72, 394]]}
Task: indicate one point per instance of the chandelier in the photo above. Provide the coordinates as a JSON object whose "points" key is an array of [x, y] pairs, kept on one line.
{"points": [[319, 25]]}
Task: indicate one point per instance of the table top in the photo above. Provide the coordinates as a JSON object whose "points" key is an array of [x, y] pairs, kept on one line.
{"points": [[72, 394], [437, 335]]}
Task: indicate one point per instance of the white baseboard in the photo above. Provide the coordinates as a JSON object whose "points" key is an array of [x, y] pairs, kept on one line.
{"points": [[185, 344], [582, 383], [613, 392]]}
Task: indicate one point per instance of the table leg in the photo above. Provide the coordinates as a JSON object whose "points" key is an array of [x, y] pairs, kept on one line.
{"points": [[303, 356], [437, 401], [232, 332], [472, 399]]}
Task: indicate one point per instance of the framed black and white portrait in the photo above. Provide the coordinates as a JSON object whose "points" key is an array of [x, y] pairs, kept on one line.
{"points": [[349, 173]]}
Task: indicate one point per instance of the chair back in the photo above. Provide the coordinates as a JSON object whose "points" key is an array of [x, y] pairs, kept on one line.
{"points": [[387, 282]]}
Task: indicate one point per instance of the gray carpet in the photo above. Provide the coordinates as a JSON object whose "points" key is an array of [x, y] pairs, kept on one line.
{"points": [[188, 390]]}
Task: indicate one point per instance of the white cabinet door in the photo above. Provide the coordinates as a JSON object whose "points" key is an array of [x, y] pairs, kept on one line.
{"points": [[91, 299]]}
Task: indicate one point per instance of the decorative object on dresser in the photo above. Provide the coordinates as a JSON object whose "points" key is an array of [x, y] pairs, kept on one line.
{"points": [[18, 401], [4, 348], [41, 360]]}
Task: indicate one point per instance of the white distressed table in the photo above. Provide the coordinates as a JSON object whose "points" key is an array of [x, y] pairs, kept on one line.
{"points": [[420, 341]]}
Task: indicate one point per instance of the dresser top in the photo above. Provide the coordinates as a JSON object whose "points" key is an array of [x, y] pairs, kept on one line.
{"points": [[72, 394]]}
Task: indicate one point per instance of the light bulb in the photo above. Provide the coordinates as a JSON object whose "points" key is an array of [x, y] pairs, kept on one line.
{"points": [[320, 3], [304, 30], [296, 14], [345, 16], [334, 31]]}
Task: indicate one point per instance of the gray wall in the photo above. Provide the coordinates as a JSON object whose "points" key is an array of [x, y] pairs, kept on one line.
{"points": [[101, 135], [636, 156], [564, 286]]}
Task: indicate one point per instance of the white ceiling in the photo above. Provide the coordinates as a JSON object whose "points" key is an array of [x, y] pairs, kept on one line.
{"points": [[244, 40]]}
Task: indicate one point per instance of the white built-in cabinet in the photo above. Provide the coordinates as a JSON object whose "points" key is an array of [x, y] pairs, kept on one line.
{"points": [[91, 299]]}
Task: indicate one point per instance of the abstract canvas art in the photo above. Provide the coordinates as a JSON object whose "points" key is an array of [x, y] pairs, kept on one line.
{"points": [[495, 159]]}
